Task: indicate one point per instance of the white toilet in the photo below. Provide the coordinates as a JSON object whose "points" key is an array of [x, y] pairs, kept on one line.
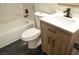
{"points": [[32, 36]]}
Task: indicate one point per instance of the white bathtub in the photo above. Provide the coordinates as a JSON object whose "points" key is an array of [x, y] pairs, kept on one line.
{"points": [[12, 31]]}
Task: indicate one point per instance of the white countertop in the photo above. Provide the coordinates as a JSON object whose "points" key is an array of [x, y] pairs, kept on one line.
{"points": [[71, 25]]}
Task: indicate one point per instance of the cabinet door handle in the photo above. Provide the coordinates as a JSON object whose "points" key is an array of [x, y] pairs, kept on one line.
{"points": [[53, 42], [52, 31], [49, 40]]}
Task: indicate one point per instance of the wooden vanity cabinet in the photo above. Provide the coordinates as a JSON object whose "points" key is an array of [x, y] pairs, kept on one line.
{"points": [[55, 40]]}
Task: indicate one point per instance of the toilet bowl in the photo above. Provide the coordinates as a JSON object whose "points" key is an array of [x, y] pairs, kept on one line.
{"points": [[32, 36]]}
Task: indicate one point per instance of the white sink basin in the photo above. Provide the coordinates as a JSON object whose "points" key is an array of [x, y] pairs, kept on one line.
{"points": [[66, 21], [63, 20]]}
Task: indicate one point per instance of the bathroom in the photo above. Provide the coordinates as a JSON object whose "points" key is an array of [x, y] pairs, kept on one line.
{"points": [[21, 20]]}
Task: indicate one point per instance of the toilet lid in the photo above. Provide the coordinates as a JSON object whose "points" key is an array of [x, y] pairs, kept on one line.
{"points": [[30, 33]]}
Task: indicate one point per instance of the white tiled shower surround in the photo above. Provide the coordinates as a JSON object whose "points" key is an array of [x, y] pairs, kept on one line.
{"points": [[10, 12]]}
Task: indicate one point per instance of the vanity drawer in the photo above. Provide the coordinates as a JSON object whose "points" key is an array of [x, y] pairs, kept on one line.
{"points": [[51, 28]]}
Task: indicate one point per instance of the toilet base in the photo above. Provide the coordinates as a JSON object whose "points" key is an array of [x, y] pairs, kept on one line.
{"points": [[34, 43]]}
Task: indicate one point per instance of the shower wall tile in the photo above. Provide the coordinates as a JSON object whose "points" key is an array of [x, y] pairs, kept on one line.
{"points": [[31, 9], [10, 12]]}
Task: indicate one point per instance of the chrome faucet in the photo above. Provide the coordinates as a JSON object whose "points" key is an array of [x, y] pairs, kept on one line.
{"points": [[67, 13]]}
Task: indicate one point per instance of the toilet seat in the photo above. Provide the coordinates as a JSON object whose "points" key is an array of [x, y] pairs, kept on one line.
{"points": [[30, 34]]}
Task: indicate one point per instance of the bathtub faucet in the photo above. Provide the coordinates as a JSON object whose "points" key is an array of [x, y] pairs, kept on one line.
{"points": [[26, 13]]}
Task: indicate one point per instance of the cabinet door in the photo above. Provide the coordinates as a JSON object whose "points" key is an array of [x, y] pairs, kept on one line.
{"points": [[59, 41], [56, 45], [50, 42], [63, 48], [62, 41], [44, 37], [53, 48]]}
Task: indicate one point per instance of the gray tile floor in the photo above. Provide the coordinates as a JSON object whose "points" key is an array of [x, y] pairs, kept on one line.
{"points": [[20, 48]]}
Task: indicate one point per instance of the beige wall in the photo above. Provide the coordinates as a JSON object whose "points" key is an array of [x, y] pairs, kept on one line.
{"points": [[45, 7], [10, 12]]}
